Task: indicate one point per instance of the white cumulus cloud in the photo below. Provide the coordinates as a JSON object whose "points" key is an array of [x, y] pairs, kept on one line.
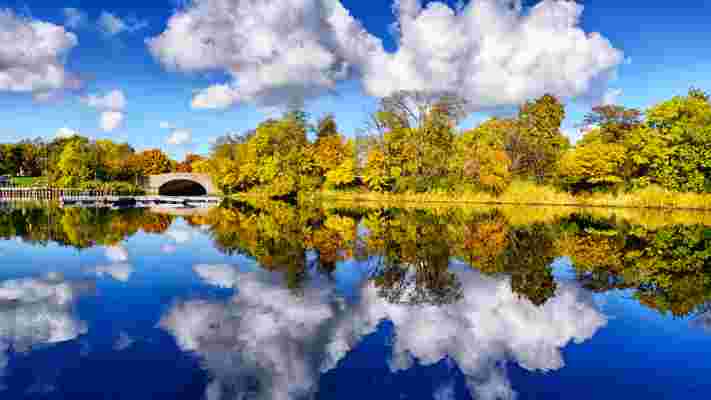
{"points": [[179, 235], [32, 54], [116, 253], [220, 275], [114, 100], [179, 137], [111, 120], [112, 25], [119, 272], [611, 96], [111, 106], [267, 334], [65, 133], [276, 51], [36, 312], [494, 53]]}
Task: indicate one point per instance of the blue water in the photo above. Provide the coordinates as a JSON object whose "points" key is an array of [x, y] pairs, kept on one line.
{"points": [[170, 316]]}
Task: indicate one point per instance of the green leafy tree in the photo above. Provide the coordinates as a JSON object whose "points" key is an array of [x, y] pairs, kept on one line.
{"points": [[343, 175], [673, 149], [418, 133], [375, 173], [593, 165], [75, 166], [611, 123], [539, 138]]}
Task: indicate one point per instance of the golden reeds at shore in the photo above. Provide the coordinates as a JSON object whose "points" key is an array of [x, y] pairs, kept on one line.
{"points": [[652, 207], [525, 193]]}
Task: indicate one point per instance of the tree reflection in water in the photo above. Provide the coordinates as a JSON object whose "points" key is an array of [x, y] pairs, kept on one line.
{"points": [[473, 286], [408, 252]]}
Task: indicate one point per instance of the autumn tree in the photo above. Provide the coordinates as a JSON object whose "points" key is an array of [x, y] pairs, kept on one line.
{"points": [[152, 162], [480, 157], [417, 133], [539, 140], [186, 166], [375, 173], [611, 123], [593, 165], [327, 127], [332, 155], [114, 160]]}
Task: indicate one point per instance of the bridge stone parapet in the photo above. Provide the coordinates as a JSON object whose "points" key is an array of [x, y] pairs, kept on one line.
{"points": [[164, 183]]}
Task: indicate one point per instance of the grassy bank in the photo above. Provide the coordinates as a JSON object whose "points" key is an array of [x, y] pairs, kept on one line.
{"points": [[525, 193]]}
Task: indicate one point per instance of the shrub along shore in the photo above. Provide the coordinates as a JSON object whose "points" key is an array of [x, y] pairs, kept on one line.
{"points": [[531, 194]]}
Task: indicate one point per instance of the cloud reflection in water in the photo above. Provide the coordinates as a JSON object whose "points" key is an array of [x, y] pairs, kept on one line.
{"points": [[37, 311], [270, 343]]}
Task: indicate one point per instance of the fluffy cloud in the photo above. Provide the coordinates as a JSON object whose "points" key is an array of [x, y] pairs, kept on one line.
{"points": [[114, 100], [116, 253], [65, 133], [492, 52], [119, 272], [37, 311], [74, 18], [611, 96], [265, 333], [276, 51], [111, 106], [179, 137], [32, 54], [111, 120], [180, 235], [221, 275], [112, 25], [489, 326]]}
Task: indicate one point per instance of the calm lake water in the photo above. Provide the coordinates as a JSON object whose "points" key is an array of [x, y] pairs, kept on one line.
{"points": [[274, 301]]}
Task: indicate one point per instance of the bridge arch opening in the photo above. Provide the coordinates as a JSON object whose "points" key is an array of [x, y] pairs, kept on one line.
{"points": [[182, 187]]}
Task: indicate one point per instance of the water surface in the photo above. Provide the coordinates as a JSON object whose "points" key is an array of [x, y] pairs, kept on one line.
{"points": [[276, 301]]}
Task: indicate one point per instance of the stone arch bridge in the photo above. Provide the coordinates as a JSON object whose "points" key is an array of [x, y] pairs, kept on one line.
{"points": [[181, 184]]}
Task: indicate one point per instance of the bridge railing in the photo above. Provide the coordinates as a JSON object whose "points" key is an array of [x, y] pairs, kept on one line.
{"points": [[50, 193]]}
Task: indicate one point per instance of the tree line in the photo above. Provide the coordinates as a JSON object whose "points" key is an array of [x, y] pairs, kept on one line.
{"points": [[78, 162], [412, 143]]}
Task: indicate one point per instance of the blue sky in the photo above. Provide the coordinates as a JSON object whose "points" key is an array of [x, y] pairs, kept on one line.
{"points": [[664, 46]]}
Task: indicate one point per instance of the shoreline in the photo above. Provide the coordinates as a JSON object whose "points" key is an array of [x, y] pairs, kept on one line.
{"points": [[520, 194], [394, 200]]}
